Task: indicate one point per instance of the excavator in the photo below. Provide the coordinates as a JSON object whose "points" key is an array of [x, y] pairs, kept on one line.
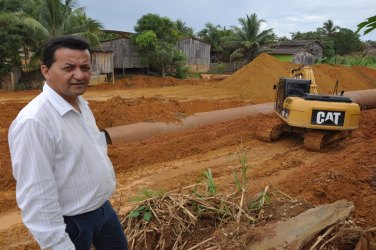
{"points": [[319, 119]]}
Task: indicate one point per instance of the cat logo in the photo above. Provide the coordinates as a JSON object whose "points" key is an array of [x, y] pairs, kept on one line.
{"points": [[328, 118]]}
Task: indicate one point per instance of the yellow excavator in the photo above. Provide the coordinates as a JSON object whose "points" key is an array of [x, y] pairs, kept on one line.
{"points": [[320, 119]]}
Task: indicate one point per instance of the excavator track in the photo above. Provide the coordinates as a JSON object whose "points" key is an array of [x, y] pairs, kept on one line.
{"points": [[315, 140], [272, 131]]}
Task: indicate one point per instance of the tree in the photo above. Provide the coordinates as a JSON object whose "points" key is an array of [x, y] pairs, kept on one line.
{"points": [[10, 35], [51, 18], [8, 6], [156, 39], [328, 28], [183, 30], [213, 35], [347, 41], [163, 27], [165, 54], [369, 25], [247, 40]]}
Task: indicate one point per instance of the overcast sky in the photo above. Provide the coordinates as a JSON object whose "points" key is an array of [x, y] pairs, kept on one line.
{"points": [[283, 16]]}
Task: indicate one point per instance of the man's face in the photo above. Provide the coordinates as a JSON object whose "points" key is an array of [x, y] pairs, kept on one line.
{"points": [[70, 74]]}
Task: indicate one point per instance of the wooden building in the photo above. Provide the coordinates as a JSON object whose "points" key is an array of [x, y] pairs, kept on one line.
{"points": [[197, 53], [8, 81], [298, 56], [102, 62], [125, 53], [298, 51]]}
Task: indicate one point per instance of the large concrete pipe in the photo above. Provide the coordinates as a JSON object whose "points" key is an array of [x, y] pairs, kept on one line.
{"points": [[140, 131], [365, 98], [143, 130]]}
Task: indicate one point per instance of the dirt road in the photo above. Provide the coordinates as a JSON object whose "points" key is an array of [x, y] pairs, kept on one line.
{"points": [[343, 170]]}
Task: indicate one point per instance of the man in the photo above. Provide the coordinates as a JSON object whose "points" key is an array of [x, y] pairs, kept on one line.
{"points": [[59, 158]]}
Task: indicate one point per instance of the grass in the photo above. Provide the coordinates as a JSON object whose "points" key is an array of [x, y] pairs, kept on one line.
{"points": [[368, 61], [242, 180]]}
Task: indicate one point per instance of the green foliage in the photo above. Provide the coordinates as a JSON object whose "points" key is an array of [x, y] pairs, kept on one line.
{"points": [[11, 31], [143, 211], [242, 179], [347, 41], [43, 19], [263, 197], [163, 27], [211, 187], [179, 59], [146, 193], [156, 38], [20, 86], [214, 35], [369, 61], [183, 30], [10, 5], [336, 40], [369, 25], [245, 42], [218, 68], [328, 28], [146, 40], [103, 36]]}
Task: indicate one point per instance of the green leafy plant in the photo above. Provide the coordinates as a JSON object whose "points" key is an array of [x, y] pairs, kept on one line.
{"points": [[241, 181], [211, 187], [143, 211], [260, 199]]}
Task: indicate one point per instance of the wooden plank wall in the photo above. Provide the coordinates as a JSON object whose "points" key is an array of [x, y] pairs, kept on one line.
{"points": [[102, 62], [125, 53], [197, 52]]}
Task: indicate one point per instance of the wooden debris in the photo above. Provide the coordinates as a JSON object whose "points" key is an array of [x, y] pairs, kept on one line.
{"points": [[298, 231]]}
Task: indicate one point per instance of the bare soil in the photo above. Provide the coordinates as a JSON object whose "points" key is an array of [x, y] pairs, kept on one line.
{"points": [[343, 170]]}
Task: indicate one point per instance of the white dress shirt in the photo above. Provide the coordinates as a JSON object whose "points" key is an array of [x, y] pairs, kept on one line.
{"points": [[61, 166]]}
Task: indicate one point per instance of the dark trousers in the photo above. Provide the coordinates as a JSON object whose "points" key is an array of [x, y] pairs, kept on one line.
{"points": [[100, 227]]}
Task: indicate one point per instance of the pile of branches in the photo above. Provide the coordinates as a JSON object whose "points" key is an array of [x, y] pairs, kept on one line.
{"points": [[174, 216], [345, 234], [169, 221]]}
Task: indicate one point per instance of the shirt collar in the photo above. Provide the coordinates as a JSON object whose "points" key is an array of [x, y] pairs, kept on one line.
{"points": [[58, 102]]}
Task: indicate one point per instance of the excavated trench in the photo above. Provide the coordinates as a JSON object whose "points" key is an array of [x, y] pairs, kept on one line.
{"points": [[366, 99]]}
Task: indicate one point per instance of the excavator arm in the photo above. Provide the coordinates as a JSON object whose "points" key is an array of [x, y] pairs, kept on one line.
{"points": [[306, 72]]}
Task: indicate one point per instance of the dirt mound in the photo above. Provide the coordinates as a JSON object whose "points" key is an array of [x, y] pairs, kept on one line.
{"points": [[255, 80], [349, 78]]}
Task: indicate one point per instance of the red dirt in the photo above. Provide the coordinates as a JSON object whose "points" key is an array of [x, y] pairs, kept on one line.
{"points": [[344, 170]]}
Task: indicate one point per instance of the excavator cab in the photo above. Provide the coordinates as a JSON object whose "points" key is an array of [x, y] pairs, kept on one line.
{"points": [[289, 87]]}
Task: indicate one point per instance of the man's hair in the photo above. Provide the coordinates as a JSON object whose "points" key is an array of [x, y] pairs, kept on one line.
{"points": [[69, 42]]}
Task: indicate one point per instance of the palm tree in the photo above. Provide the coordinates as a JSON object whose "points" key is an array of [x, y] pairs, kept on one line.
{"points": [[328, 28], [183, 30], [247, 40], [369, 25], [213, 35], [51, 18]]}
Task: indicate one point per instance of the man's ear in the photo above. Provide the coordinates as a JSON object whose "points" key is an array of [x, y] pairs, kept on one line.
{"points": [[44, 69]]}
